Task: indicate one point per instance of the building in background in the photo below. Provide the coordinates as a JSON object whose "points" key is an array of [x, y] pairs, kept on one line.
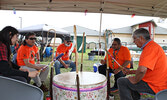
{"points": [[157, 33]]}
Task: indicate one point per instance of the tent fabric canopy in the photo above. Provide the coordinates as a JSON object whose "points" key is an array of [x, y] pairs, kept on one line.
{"points": [[43, 29], [155, 8]]}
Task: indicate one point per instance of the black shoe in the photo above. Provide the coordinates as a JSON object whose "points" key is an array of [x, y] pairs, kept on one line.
{"points": [[34, 84], [44, 88]]}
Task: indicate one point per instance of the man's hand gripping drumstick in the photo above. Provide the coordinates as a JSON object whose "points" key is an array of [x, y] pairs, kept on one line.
{"points": [[57, 58]]}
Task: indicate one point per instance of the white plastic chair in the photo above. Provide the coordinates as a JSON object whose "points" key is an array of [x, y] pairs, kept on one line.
{"points": [[161, 95], [11, 89]]}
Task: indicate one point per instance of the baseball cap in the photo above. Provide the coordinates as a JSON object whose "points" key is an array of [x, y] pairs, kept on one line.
{"points": [[68, 38]]}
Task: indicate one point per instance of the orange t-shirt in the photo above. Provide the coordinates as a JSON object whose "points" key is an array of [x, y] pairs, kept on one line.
{"points": [[64, 49], [26, 52], [121, 56], [154, 58]]}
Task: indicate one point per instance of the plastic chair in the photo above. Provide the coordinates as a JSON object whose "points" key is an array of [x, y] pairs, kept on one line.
{"points": [[162, 95], [11, 89]]}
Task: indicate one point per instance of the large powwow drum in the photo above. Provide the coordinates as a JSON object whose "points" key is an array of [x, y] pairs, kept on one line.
{"points": [[93, 86]]}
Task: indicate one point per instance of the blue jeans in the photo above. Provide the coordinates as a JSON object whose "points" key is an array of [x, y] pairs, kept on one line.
{"points": [[14, 58], [129, 91], [58, 65]]}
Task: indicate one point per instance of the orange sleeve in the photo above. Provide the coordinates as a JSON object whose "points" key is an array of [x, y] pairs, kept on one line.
{"points": [[148, 59], [74, 50], [109, 50], [36, 49], [105, 57], [109, 57]]}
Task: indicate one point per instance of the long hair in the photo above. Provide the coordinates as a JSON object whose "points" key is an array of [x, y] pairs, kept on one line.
{"points": [[6, 35]]}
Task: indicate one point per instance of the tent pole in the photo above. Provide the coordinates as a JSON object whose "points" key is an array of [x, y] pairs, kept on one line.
{"points": [[101, 12]]}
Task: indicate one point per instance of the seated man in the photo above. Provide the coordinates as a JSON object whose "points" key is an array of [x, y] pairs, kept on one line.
{"points": [[26, 59], [122, 56], [64, 61], [151, 74]]}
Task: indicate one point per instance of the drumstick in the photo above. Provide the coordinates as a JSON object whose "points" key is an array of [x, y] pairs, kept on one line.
{"points": [[51, 68], [76, 60], [43, 68], [82, 50], [113, 58]]}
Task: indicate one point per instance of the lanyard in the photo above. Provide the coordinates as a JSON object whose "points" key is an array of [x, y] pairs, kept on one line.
{"points": [[114, 54]]}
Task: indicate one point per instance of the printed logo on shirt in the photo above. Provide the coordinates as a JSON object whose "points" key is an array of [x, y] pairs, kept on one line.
{"points": [[32, 55]]}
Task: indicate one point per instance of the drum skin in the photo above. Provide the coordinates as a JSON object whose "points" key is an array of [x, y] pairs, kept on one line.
{"points": [[93, 86]]}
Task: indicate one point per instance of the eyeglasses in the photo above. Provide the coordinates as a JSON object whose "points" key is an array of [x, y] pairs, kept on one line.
{"points": [[32, 38]]}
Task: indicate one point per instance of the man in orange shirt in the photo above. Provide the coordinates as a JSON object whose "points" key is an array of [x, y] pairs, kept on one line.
{"points": [[26, 60], [151, 74], [122, 56], [64, 61]]}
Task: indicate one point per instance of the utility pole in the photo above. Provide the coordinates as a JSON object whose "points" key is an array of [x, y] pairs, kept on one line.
{"points": [[20, 22]]}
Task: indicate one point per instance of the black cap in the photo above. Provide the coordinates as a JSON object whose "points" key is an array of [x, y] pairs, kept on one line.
{"points": [[67, 38]]}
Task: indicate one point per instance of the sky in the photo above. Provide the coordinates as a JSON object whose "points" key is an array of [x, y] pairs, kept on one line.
{"points": [[65, 19]]}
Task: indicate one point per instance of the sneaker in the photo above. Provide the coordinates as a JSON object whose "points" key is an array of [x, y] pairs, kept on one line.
{"points": [[44, 88], [113, 89]]}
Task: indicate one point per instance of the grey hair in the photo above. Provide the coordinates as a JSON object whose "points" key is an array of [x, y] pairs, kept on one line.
{"points": [[142, 32]]}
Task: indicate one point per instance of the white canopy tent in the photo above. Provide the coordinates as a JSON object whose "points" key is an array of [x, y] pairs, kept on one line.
{"points": [[154, 8], [43, 29]]}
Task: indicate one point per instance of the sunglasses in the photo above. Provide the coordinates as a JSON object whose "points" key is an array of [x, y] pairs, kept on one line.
{"points": [[32, 38], [68, 41]]}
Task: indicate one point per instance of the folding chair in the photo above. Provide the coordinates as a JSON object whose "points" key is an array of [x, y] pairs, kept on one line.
{"points": [[11, 89], [162, 95]]}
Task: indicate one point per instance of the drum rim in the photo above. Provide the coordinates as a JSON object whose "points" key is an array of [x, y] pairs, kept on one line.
{"points": [[81, 89], [105, 80]]}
